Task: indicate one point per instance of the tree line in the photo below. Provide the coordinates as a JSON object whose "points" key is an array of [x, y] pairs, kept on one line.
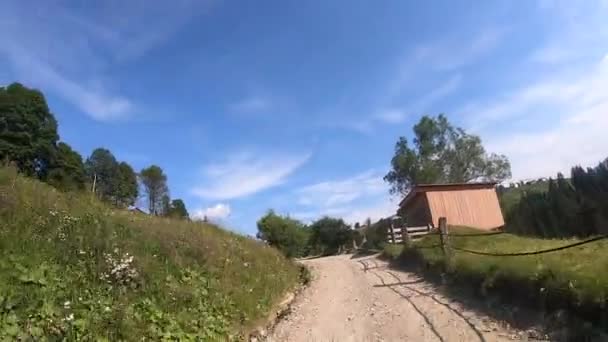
{"points": [[29, 139], [577, 206], [293, 238]]}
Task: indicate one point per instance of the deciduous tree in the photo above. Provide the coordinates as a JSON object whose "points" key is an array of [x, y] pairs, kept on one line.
{"points": [[28, 130], [103, 172], [286, 234], [442, 153], [127, 186], [329, 235], [178, 209], [66, 169], [155, 185]]}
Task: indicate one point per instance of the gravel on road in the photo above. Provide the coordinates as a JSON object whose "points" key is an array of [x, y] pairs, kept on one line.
{"points": [[362, 299]]}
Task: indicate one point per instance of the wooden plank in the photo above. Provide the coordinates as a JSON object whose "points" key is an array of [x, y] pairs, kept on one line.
{"points": [[417, 229], [419, 234]]}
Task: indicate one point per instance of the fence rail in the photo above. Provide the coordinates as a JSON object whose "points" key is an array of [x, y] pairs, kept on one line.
{"points": [[404, 234], [448, 249]]}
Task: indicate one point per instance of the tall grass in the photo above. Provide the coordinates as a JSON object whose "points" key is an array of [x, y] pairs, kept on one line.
{"points": [[72, 268]]}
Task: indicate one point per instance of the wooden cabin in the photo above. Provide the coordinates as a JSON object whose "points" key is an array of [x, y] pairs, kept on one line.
{"points": [[466, 204]]}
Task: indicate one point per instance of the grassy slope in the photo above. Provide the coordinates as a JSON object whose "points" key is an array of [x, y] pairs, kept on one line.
{"points": [[575, 278], [72, 267]]}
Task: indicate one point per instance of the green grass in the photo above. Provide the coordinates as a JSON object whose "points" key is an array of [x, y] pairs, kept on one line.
{"points": [[575, 279], [392, 251], [72, 268]]}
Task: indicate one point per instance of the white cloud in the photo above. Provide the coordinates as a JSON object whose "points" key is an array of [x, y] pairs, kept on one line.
{"points": [[69, 52], [95, 102], [220, 211], [374, 209], [397, 115], [244, 174], [572, 118], [253, 104], [559, 116], [452, 54], [337, 192], [353, 198], [391, 116]]}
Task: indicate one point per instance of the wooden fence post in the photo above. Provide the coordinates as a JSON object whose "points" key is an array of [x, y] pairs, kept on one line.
{"points": [[392, 233], [405, 236], [445, 240]]}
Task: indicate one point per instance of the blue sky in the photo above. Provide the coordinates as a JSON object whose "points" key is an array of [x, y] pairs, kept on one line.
{"points": [[296, 105]]}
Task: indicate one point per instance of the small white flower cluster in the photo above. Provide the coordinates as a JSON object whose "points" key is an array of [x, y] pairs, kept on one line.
{"points": [[65, 221], [122, 271], [68, 306]]}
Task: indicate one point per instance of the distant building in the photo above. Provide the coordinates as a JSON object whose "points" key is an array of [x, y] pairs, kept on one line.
{"points": [[464, 204]]}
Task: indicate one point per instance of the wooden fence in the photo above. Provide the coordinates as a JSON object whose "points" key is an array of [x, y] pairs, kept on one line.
{"points": [[405, 233]]}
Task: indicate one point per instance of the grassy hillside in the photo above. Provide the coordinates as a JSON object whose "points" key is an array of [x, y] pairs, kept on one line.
{"points": [[72, 268], [575, 279]]}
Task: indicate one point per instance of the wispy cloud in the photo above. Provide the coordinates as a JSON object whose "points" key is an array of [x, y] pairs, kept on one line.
{"points": [[354, 198], [398, 115], [95, 102], [569, 128], [439, 59], [68, 52], [245, 173], [220, 211], [337, 192], [454, 53], [252, 104]]}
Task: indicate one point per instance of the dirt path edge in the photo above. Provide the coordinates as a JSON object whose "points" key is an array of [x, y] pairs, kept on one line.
{"points": [[279, 312]]}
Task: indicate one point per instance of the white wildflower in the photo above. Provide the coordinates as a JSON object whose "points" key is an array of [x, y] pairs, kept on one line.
{"points": [[67, 304]]}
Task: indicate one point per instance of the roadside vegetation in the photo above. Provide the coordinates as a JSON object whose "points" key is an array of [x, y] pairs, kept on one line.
{"points": [[573, 279], [72, 267], [325, 236]]}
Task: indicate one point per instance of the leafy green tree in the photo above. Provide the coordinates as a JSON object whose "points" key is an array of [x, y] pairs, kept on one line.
{"points": [[128, 189], [66, 169], [28, 130], [178, 209], [284, 233], [442, 153], [103, 172], [165, 205], [376, 233], [330, 235], [155, 186]]}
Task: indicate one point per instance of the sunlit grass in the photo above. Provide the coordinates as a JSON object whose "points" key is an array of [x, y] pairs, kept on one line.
{"points": [[576, 278], [125, 275]]}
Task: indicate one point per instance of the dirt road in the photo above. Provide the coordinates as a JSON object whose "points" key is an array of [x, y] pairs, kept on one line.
{"points": [[364, 300]]}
